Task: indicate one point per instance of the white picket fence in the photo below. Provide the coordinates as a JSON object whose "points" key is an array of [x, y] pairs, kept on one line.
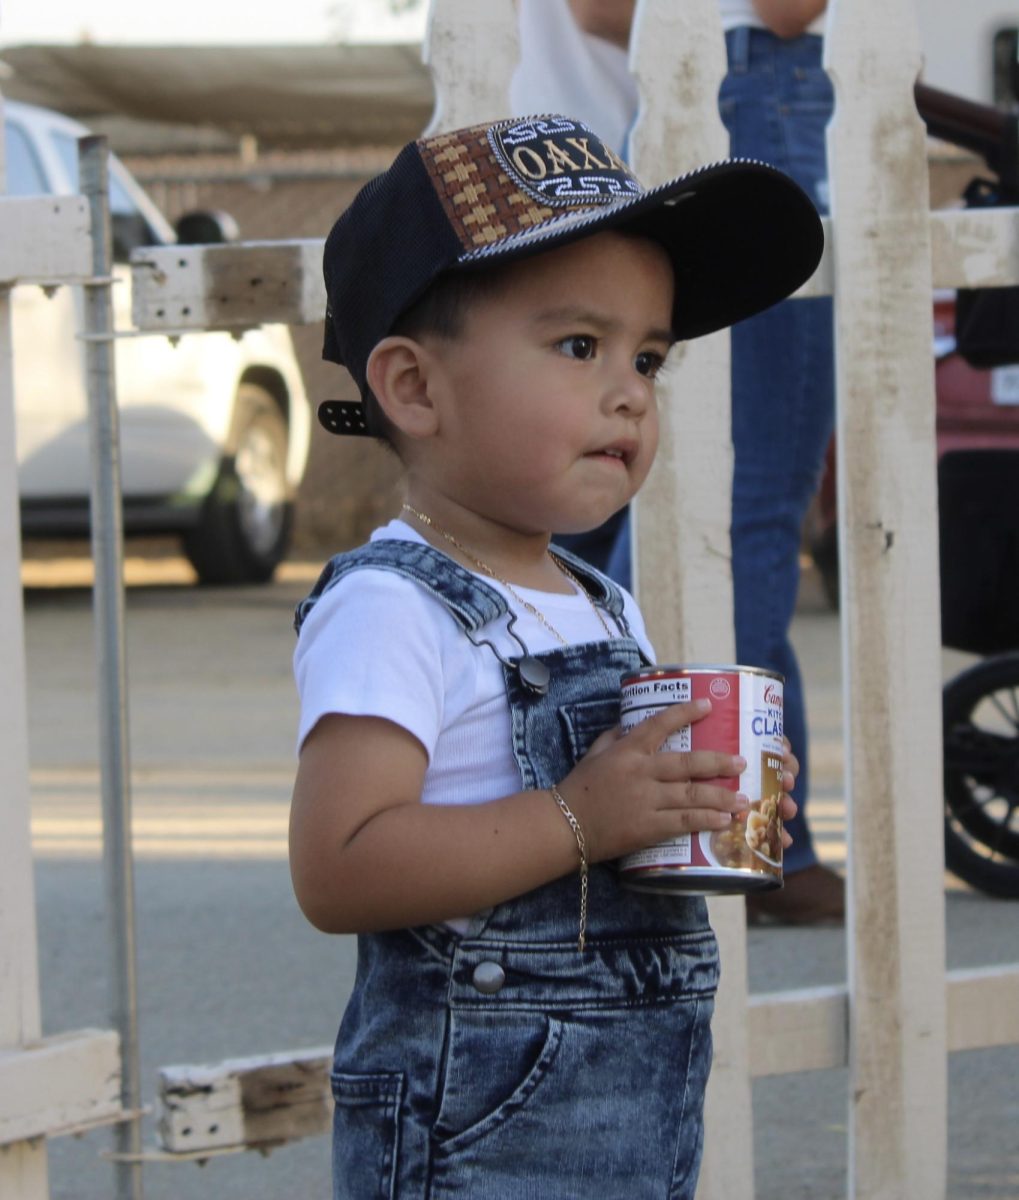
{"points": [[900, 1015]]}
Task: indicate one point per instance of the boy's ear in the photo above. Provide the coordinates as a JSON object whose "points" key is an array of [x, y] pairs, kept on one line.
{"points": [[398, 377]]}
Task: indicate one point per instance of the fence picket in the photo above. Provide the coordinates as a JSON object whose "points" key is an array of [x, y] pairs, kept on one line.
{"points": [[23, 1170], [682, 518], [890, 603], [471, 49]]}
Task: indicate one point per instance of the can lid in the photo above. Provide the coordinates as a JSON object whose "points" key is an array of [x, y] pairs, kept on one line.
{"points": [[671, 670]]}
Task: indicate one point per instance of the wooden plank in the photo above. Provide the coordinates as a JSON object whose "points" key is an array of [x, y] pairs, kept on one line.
{"points": [[683, 575], [44, 238], [983, 1008], [472, 50], [251, 1101], [969, 248], [228, 287], [890, 591], [806, 1030], [975, 247], [251, 283], [59, 1083]]}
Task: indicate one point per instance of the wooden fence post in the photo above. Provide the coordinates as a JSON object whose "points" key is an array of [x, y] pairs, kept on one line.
{"points": [[68, 1081], [22, 1165], [684, 574], [890, 603], [472, 50]]}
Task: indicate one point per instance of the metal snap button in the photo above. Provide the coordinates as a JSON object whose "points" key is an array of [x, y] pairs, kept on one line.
{"points": [[488, 978]]}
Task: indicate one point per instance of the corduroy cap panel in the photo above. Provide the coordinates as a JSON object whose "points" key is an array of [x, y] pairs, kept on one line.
{"points": [[381, 254]]}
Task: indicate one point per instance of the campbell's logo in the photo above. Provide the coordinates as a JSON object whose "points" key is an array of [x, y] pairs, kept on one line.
{"points": [[719, 688], [772, 694]]}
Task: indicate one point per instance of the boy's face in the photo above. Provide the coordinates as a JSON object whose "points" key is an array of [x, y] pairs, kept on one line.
{"points": [[546, 401]]}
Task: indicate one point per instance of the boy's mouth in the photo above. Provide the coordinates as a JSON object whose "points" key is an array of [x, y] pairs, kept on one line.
{"points": [[621, 452]]}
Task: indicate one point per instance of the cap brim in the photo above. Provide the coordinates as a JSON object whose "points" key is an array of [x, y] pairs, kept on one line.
{"points": [[741, 236]]}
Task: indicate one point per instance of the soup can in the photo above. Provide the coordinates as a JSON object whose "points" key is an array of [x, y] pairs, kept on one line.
{"points": [[745, 719]]}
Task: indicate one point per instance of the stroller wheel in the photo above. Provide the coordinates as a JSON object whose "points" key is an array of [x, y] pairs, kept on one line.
{"points": [[981, 763]]}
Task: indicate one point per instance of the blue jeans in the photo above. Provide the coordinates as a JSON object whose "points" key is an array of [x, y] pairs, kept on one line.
{"points": [[504, 1063], [775, 102]]}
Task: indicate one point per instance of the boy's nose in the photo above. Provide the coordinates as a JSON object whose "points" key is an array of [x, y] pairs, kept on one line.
{"points": [[628, 392]]}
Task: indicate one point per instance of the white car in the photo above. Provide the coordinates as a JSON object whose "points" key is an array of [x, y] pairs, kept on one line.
{"points": [[214, 430]]}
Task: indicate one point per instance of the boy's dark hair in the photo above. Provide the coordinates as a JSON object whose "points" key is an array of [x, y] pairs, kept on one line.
{"points": [[441, 312]]}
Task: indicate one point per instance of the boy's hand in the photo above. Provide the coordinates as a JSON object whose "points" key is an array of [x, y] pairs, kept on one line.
{"points": [[628, 793]]}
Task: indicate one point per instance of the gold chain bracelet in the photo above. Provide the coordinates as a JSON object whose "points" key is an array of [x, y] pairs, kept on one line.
{"points": [[578, 833]]}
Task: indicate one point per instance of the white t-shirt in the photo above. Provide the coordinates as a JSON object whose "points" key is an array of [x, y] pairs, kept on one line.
{"points": [[378, 644]]}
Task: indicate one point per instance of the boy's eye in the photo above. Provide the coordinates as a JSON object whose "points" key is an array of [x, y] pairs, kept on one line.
{"points": [[578, 345], [649, 363]]}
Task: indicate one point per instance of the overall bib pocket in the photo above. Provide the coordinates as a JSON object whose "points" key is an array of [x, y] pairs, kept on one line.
{"points": [[586, 720]]}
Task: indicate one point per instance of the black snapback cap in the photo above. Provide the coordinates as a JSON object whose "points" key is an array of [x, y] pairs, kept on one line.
{"points": [[741, 234]]}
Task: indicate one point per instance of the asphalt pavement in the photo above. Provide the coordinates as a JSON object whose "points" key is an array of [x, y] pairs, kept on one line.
{"points": [[227, 966]]}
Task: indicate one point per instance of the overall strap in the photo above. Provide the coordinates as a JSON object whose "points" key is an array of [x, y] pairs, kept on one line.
{"points": [[602, 590], [470, 601]]}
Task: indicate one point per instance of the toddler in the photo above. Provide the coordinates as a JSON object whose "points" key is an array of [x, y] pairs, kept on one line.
{"points": [[521, 1025]]}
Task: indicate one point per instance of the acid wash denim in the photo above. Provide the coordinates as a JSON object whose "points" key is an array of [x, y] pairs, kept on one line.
{"points": [[504, 1064]]}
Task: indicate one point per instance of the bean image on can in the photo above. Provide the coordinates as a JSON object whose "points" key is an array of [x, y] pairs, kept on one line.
{"points": [[745, 719]]}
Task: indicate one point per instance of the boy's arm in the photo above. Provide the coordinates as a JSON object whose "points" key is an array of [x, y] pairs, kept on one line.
{"points": [[367, 855]]}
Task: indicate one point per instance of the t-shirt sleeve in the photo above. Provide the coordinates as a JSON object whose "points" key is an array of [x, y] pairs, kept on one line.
{"points": [[372, 647]]}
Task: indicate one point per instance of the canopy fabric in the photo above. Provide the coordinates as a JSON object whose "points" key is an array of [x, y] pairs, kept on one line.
{"points": [[287, 97]]}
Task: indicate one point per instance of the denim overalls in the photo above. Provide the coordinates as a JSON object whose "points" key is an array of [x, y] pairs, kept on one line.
{"points": [[504, 1064]]}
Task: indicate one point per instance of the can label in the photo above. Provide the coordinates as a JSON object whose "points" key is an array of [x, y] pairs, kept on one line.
{"points": [[745, 719]]}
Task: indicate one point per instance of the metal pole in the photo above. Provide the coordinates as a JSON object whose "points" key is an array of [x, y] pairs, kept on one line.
{"points": [[108, 597]]}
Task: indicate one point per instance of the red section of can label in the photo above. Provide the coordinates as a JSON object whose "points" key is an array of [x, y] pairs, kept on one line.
{"points": [[745, 719]]}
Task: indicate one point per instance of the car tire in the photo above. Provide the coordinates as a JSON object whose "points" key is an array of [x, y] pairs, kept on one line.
{"points": [[981, 775], [244, 527]]}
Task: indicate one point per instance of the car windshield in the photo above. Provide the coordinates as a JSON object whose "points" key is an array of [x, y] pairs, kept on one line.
{"points": [[130, 228], [24, 174]]}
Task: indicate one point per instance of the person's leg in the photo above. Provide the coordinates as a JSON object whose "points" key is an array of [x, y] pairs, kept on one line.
{"points": [[779, 442], [776, 102]]}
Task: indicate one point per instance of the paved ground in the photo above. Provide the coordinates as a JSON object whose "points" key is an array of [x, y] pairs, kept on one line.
{"points": [[226, 964]]}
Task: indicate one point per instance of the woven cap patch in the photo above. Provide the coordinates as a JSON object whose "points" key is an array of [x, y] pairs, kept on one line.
{"points": [[561, 162], [499, 181]]}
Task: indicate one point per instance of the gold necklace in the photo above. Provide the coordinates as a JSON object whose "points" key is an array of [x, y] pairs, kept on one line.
{"points": [[524, 604]]}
